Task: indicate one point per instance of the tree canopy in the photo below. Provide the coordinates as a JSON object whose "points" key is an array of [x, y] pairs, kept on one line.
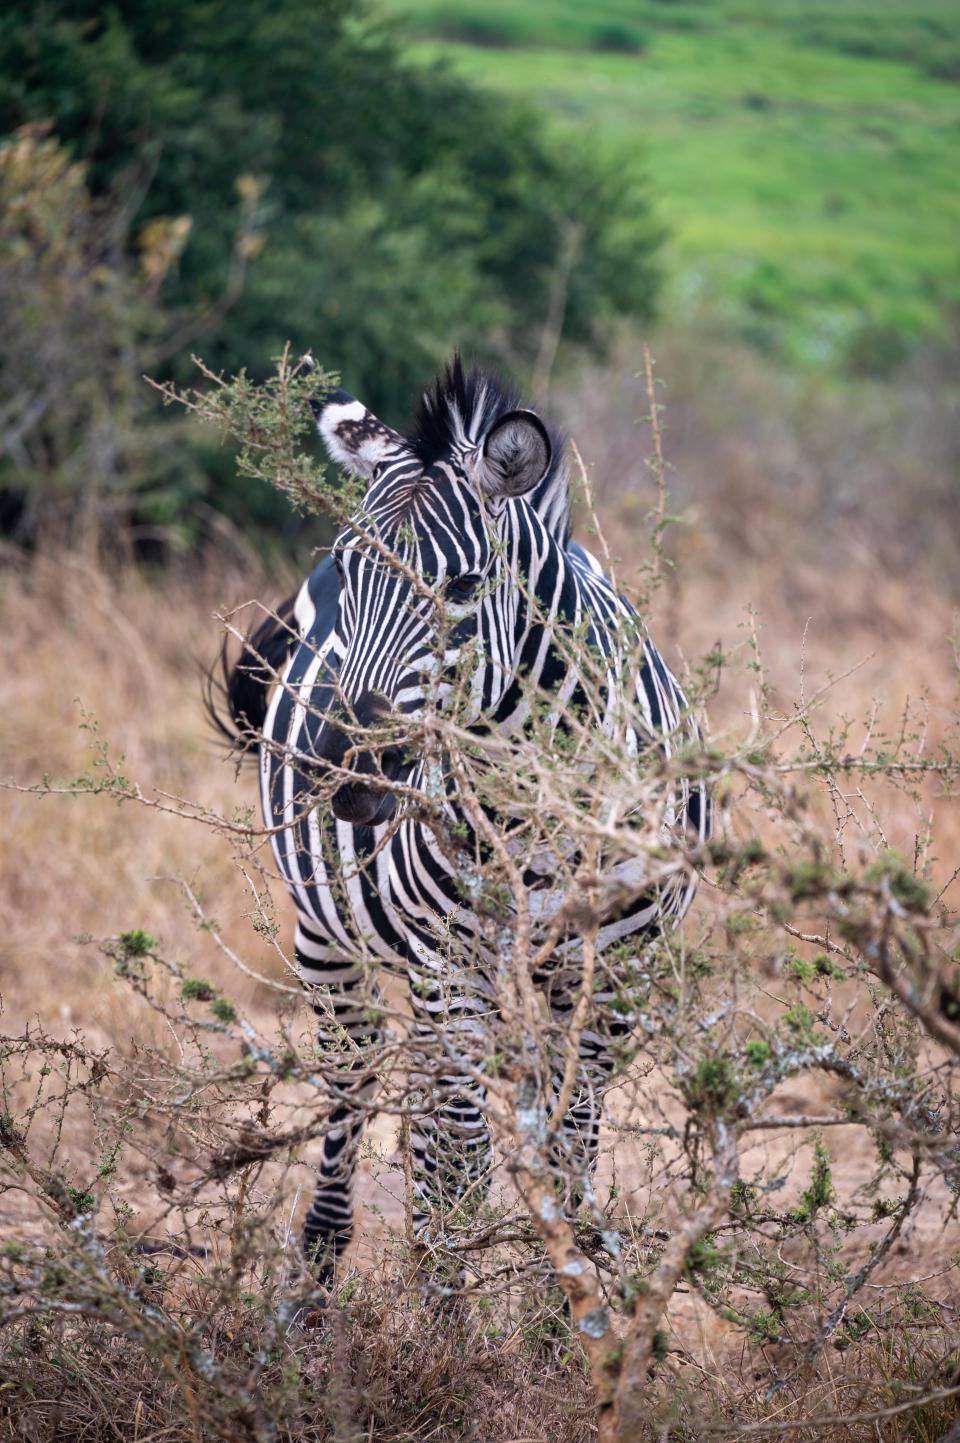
{"points": [[396, 210], [288, 175]]}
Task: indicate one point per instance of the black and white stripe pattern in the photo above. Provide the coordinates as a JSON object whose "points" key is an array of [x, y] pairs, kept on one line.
{"points": [[472, 507]]}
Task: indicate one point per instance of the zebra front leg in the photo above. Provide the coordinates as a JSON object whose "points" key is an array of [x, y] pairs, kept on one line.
{"points": [[345, 1004]]}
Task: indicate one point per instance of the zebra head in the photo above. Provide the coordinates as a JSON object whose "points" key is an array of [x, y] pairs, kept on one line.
{"points": [[434, 572]]}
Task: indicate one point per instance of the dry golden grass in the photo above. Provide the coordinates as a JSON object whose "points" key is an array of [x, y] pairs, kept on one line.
{"points": [[126, 652]]}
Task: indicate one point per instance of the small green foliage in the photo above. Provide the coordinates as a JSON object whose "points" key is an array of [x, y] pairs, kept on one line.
{"points": [[811, 877], [197, 989], [712, 1088], [9, 1132], [763, 1327], [820, 1193], [739, 923], [137, 943], [736, 863], [828, 966], [917, 1303], [742, 1197], [905, 886], [660, 1345], [759, 757], [699, 965], [798, 968], [805, 970], [223, 1010], [83, 1201], [801, 1022], [757, 1052], [704, 1256], [856, 1326]]}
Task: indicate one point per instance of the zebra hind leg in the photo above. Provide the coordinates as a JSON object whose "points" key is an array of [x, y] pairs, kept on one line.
{"points": [[341, 998], [576, 1144], [574, 1148], [449, 1140], [609, 1026], [328, 1226]]}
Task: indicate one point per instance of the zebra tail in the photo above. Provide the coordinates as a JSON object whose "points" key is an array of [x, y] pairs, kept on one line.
{"points": [[236, 692]]}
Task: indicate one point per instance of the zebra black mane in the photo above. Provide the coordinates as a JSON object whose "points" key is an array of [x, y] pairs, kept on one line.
{"points": [[462, 406]]}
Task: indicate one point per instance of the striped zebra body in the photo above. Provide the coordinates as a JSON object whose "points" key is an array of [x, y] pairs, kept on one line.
{"points": [[471, 508]]}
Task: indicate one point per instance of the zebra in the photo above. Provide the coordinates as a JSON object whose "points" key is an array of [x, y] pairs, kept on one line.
{"points": [[472, 506]]}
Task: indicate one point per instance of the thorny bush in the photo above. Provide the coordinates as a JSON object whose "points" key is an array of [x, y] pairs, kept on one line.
{"points": [[781, 1151]]}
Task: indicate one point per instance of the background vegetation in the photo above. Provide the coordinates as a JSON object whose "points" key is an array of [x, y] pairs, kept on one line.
{"points": [[802, 155], [241, 169], [767, 195]]}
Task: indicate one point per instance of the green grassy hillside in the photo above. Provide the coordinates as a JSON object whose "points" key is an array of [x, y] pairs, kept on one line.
{"points": [[803, 157]]}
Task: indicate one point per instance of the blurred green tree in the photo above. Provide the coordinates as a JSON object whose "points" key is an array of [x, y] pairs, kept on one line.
{"points": [[328, 192], [84, 459]]}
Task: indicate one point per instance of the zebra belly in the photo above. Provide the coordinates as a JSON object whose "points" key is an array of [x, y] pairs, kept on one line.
{"points": [[336, 872]]}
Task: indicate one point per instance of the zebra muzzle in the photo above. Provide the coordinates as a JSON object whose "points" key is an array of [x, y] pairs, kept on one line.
{"points": [[366, 799]]}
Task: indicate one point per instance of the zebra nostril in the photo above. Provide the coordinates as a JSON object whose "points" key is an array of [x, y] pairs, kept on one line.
{"points": [[382, 758], [371, 707], [392, 761]]}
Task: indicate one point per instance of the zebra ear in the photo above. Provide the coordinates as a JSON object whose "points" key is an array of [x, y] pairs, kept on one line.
{"points": [[355, 438], [516, 454]]}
